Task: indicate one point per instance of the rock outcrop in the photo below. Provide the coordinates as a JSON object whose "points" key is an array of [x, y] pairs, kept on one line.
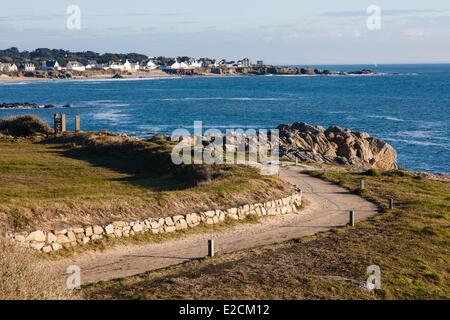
{"points": [[29, 105], [335, 146]]}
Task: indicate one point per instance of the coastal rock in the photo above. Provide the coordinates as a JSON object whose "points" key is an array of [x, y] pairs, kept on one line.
{"points": [[29, 105], [38, 236], [335, 145]]}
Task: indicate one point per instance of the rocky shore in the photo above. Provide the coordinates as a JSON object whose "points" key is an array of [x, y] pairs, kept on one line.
{"points": [[335, 145], [30, 105], [40, 75]]}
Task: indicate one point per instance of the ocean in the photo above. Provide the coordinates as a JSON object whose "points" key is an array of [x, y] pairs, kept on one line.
{"points": [[406, 105]]}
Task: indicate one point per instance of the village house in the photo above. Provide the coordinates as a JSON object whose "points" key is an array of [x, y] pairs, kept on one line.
{"points": [[93, 65], [29, 67], [75, 66], [8, 67], [244, 63], [149, 65], [219, 63], [130, 66], [194, 64], [116, 66], [50, 65], [179, 66], [206, 62]]}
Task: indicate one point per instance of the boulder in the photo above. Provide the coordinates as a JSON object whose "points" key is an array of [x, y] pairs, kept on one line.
{"points": [[38, 236], [88, 231], [51, 238], [335, 145], [137, 228], [97, 230], [109, 229]]}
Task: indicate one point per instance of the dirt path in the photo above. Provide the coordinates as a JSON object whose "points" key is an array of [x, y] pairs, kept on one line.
{"points": [[328, 208]]}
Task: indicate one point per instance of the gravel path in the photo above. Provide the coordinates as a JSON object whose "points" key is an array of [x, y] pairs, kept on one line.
{"points": [[328, 208]]}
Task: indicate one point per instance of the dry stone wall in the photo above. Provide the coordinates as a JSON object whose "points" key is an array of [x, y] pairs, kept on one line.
{"points": [[55, 240]]}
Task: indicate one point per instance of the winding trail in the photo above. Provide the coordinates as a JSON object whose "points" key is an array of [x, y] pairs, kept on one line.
{"points": [[328, 208]]}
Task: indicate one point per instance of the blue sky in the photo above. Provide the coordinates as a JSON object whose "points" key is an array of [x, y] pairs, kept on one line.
{"points": [[282, 31]]}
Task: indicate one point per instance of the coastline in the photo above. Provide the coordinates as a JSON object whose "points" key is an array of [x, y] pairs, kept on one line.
{"points": [[157, 74]]}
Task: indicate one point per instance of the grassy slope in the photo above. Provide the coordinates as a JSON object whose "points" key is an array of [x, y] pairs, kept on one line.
{"points": [[51, 185], [411, 244]]}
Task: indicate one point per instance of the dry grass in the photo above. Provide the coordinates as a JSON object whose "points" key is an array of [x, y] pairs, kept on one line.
{"points": [[24, 278], [24, 126], [98, 178], [410, 244]]}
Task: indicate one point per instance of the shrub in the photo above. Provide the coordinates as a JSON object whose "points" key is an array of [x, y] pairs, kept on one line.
{"points": [[372, 173], [24, 126], [396, 173], [23, 277]]}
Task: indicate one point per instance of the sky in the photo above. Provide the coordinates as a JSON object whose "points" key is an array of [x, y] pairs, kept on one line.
{"points": [[278, 32]]}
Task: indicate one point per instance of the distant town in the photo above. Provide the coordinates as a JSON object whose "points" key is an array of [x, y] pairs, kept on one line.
{"points": [[57, 63]]}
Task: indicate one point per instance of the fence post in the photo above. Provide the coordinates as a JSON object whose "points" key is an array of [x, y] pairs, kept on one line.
{"points": [[211, 248], [351, 222], [391, 204], [63, 122], [55, 123], [77, 124], [362, 184]]}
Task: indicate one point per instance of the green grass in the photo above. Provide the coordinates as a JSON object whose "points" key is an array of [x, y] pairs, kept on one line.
{"points": [[411, 244], [84, 179]]}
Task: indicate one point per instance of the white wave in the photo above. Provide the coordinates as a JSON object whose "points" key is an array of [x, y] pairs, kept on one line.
{"points": [[106, 103], [222, 99], [114, 116], [421, 143], [414, 134], [13, 83], [390, 118]]}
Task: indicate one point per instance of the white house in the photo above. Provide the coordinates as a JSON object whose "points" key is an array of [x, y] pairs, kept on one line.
{"points": [[149, 65], [131, 66], [8, 67], [29, 67], [194, 64], [75, 66], [116, 66], [50, 65], [219, 62], [179, 66]]}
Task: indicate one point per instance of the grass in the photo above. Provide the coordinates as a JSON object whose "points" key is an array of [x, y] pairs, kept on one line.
{"points": [[23, 277], [410, 244], [98, 178], [24, 126]]}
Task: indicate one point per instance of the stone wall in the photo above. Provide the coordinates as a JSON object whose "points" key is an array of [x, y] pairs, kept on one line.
{"points": [[48, 241]]}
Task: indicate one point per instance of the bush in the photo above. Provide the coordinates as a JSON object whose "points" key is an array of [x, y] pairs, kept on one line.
{"points": [[24, 278], [24, 126], [396, 173], [372, 173]]}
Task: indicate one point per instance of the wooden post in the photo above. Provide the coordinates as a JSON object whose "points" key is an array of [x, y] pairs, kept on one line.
{"points": [[296, 162], [362, 184], [391, 204], [210, 248], [351, 222], [63, 122], [77, 124], [55, 123]]}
